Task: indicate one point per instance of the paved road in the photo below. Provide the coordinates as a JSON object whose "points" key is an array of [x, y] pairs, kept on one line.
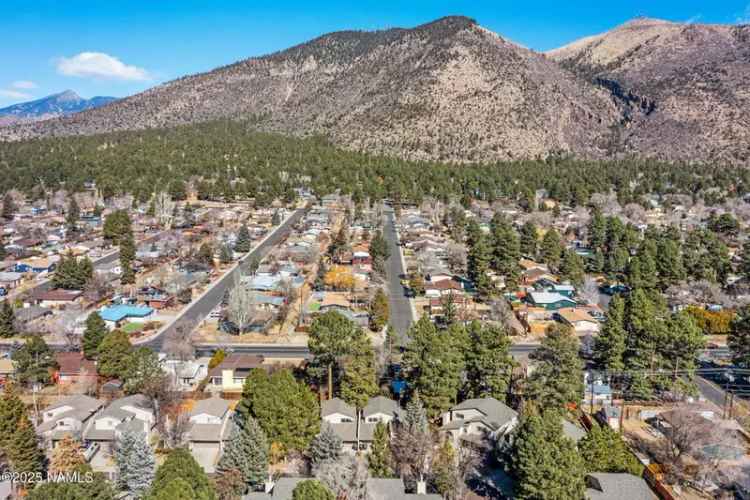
{"points": [[199, 309], [266, 350], [400, 306]]}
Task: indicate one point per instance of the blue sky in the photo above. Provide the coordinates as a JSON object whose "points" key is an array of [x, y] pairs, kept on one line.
{"points": [[120, 47]]}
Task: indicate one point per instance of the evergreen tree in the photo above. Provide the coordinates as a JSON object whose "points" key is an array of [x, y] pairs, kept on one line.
{"points": [[7, 320], [66, 456], [243, 242], [610, 344], [135, 463], [552, 248], [180, 464], [603, 450], [571, 268], [3, 251], [127, 256], [669, 262], [285, 409], [545, 463], [529, 242], [9, 207], [206, 254], [73, 214], [116, 225], [12, 410], [143, 372], [71, 274], [327, 445], [739, 339], [332, 338], [225, 254], [444, 474], [379, 458], [359, 382], [34, 361], [247, 452], [22, 450], [434, 365], [97, 488], [114, 354], [506, 250], [558, 377], [176, 489], [93, 335], [312, 489], [489, 365], [478, 264], [597, 230]]}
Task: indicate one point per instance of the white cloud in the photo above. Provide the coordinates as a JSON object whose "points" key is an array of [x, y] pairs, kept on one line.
{"points": [[23, 84], [14, 94], [100, 65]]}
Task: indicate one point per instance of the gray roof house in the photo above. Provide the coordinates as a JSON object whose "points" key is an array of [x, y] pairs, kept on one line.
{"points": [[115, 418], [476, 419], [617, 486], [357, 429], [67, 416], [210, 427]]}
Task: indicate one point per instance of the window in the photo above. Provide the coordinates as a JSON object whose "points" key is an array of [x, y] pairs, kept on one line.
{"points": [[459, 416]]}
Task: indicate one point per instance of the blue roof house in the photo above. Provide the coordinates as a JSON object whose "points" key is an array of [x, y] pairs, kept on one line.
{"points": [[113, 316]]}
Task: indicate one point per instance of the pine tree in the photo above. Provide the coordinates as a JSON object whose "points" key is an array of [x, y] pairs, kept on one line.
{"points": [[72, 214], [739, 339], [312, 489], [70, 274], [571, 268], [176, 489], [22, 450], [558, 377], [9, 207], [478, 265], [66, 456], [3, 251], [225, 254], [603, 450], [545, 463], [114, 354], [359, 382], [506, 250], [98, 488], [247, 452], [609, 346], [444, 474], [669, 262], [434, 365], [379, 460], [489, 365], [529, 242], [12, 411], [127, 256], [135, 462], [34, 361], [552, 248], [243, 242], [326, 446], [7, 320], [180, 464], [597, 230], [93, 335]]}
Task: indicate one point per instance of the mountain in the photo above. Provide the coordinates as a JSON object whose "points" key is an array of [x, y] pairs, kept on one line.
{"points": [[448, 90], [62, 104], [452, 90], [682, 88]]}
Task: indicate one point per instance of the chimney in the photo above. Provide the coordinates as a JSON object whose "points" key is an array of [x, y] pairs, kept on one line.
{"points": [[421, 487]]}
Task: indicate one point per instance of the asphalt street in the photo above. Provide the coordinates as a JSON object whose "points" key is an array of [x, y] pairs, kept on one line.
{"points": [[199, 309], [400, 307]]}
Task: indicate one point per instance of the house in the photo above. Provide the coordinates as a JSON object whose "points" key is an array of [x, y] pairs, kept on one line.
{"points": [[436, 289], [602, 393], [104, 428], [68, 416], [231, 373], [27, 315], [35, 265], [580, 321], [394, 489], [74, 368], [10, 280], [361, 258], [357, 429], [114, 315], [550, 300], [113, 269], [155, 298], [617, 486], [56, 298], [210, 428], [610, 415], [476, 419], [187, 374]]}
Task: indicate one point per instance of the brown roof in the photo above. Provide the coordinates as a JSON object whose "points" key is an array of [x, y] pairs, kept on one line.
{"points": [[444, 285], [57, 295], [73, 363], [237, 362], [571, 315]]}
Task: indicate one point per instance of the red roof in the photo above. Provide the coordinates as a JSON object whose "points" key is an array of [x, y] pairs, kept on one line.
{"points": [[73, 363]]}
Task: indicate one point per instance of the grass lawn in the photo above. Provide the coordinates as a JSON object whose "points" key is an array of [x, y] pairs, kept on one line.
{"points": [[131, 328]]}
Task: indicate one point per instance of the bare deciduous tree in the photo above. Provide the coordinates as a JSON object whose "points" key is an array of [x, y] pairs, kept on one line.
{"points": [[178, 342], [241, 307], [164, 209]]}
